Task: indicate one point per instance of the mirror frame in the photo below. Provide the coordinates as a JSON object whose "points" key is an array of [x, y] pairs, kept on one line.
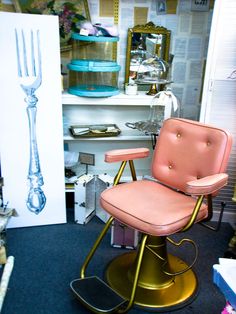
{"points": [[149, 28]]}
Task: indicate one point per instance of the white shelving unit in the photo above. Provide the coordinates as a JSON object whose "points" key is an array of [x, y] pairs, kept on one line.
{"points": [[117, 110]]}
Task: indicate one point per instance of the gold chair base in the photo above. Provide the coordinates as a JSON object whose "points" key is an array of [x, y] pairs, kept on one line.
{"points": [[180, 290]]}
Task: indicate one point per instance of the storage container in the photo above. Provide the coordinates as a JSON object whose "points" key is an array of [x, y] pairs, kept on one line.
{"points": [[93, 72], [93, 47], [224, 276]]}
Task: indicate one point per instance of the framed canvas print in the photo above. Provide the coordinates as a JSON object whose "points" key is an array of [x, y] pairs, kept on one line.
{"points": [[70, 13], [54, 7], [31, 129]]}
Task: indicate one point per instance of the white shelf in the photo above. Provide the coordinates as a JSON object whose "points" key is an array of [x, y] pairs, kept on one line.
{"points": [[121, 99], [140, 100], [126, 135], [68, 138]]}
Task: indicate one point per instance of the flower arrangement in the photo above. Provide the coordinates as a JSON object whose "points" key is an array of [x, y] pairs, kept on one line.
{"points": [[70, 14]]}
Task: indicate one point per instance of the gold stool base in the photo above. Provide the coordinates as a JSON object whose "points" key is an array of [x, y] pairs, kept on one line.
{"points": [[180, 291]]}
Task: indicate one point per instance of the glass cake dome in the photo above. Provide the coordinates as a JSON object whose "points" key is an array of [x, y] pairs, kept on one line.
{"points": [[153, 70]]}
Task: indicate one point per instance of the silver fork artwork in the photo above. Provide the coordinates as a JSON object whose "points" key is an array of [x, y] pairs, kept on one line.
{"points": [[30, 79]]}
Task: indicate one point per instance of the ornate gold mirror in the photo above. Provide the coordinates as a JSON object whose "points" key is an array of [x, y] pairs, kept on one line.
{"points": [[145, 42]]}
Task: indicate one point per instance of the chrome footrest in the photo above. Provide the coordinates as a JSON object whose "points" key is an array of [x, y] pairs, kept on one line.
{"points": [[96, 295]]}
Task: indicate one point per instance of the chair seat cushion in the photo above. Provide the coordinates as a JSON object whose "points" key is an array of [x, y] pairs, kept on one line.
{"points": [[150, 207]]}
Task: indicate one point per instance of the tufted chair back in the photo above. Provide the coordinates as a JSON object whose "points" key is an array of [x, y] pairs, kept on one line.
{"points": [[184, 152]]}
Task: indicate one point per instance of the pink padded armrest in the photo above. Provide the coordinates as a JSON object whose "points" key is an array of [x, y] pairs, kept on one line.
{"points": [[207, 185], [126, 154]]}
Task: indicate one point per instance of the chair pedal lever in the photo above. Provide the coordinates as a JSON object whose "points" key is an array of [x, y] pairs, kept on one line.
{"points": [[96, 295]]}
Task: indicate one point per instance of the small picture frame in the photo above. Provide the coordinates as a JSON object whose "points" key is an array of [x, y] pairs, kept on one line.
{"points": [[161, 7], [200, 5], [87, 159]]}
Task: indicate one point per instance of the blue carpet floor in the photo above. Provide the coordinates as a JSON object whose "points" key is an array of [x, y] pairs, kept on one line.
{"points": [[47, 258]]}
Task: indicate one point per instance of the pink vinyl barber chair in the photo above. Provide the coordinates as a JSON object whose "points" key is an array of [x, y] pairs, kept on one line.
{"points": [[188, 168]]}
